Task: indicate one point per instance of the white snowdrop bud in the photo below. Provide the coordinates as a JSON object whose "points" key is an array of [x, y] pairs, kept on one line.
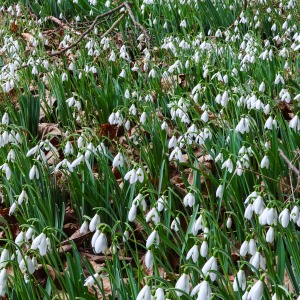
{"points": [[256, 291], [140, 175], [101, 243], [5, 119], [219, 192], [4, 258], [175, 224], [262, 87], [84, 227], [12, 208], [95, 237], [284, 218], [229, 222], [244, 248], [159, 294], [145, 293], [182, 284], [295, 123], [210, 265], [257, 261], [118, 160], [94, 222], [153, 238], [193, 253], [270, 235], [248, 212], [149, 259], [252, 247], [295, 214], [265, 163], [240, 281], [164, 126], [43, 246], [189, 200], [22, 196]]}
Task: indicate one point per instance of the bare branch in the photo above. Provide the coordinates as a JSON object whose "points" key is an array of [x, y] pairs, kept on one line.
{"points": [[137, 24], [290, 164], [91, 27]]}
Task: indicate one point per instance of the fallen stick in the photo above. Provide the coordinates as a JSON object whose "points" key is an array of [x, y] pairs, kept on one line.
{"points": [[290, 164], [137, 24], [88, 30]]}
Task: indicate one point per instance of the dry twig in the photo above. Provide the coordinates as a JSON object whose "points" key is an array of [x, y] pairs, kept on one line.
{"points": [[127, 5], [290, 164]]}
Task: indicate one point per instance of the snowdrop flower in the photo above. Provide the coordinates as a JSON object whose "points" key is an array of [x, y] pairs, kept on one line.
{"points": [[175, 223], [243, 126], [278, 79], [182, 284], [153, 238], [189, 200], [143, 117], [140, 175], [177, 154], [172, 142], [204, 249], [6, 169], [34, 172], [258, 205], [20, 238], [204, 291], [26, 265], [193, 253], [295, 123], [258, 261], [40, 243], [228, 164], [118, 160], [95, 237], [132, 212], [159, 294], [240, 281], [22, 196], [284, 218], [262, 87], [91, 280], [3, 282], [205, 116], [209, 266], [229, 222], [153, 216], [5, 119], [131, 176], [269, 123], [295, 214], [256, 291], [94, 222], [122, 74], [183, 23], [84, 227], [32, 151], [101, 243], [5, 256], [11, 156], [270, 235], [162, 203], [149, 259], [252, 247], [244, 248], [64, 77], [265, 162], [219, 192], [145, 293]]}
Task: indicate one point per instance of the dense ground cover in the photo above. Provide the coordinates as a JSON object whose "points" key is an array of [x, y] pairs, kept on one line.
{"points": [[150, 149]]}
